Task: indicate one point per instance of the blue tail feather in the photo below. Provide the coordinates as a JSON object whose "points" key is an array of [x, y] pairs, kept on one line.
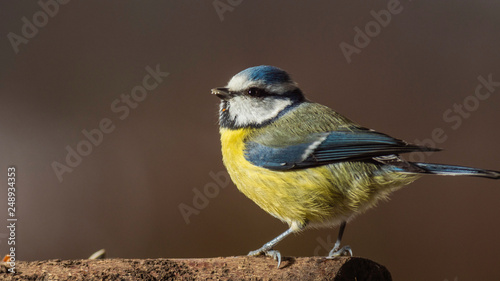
{"points": [[450, 170]]}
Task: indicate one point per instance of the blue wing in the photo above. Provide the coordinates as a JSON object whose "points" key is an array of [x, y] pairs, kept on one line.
{"points": [[327, 148]]}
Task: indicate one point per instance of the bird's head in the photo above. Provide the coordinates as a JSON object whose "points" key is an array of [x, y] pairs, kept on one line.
{"points": [[256, 96]]}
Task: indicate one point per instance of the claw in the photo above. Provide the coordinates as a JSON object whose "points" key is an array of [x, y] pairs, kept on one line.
{"points": [[276, 255], [344, 251]]}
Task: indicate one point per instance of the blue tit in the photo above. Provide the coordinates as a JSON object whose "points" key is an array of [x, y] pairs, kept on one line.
{"points": [[306, 164]]}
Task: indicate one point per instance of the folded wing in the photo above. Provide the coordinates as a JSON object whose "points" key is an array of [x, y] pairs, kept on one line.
{"points": [[327, 148]]}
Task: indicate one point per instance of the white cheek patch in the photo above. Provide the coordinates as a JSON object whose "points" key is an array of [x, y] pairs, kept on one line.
{"points": [[245, 110]]}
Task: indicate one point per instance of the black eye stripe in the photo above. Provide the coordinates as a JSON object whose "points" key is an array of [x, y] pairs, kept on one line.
{"points": [[256, 92], [261, 93]]}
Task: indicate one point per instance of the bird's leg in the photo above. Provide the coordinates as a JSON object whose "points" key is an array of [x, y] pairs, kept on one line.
{"points": [[337, 251], [267, 249]]}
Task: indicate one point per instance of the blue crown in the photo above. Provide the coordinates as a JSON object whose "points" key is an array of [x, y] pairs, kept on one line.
{"points": [[266, 73]]}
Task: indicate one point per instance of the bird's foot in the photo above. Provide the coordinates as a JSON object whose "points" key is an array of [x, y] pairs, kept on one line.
{"points": [[276, 255], [338, 252]]}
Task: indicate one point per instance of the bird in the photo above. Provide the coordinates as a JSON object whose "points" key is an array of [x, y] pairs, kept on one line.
{"points": [[306, 164]]}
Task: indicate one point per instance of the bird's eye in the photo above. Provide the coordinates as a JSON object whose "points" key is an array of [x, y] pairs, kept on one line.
{"points": [[255, 92]]}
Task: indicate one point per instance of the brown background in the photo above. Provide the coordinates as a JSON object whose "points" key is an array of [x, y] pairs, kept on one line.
{"points": [[125, 195]]}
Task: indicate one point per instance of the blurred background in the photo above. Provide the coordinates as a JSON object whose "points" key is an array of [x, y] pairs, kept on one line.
{"points": [[409, 69]]}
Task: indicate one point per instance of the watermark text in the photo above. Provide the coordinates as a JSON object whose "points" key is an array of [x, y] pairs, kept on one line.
{"points": [[11, 220], [40, 19]]}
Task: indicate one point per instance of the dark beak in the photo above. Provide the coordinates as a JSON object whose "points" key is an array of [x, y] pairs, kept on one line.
{"points": [[222, 93]]}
